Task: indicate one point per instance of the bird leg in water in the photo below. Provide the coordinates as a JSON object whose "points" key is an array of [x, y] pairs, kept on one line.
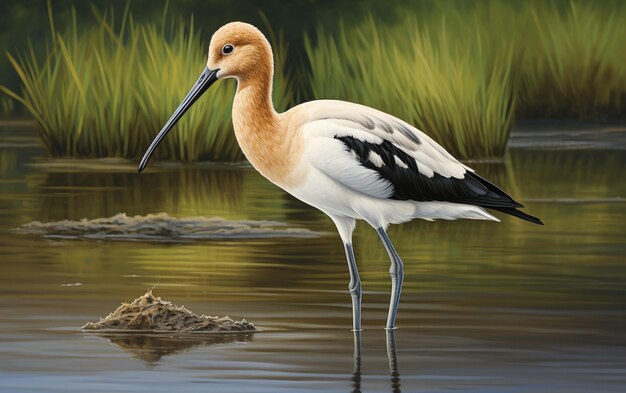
{"points": [[354, 287], [396, 270]]}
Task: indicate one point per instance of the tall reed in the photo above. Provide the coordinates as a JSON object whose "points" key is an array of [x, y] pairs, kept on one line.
{"points": [[462, 71], [448, 82], [7, 106], [106, 91], [574, 60]]}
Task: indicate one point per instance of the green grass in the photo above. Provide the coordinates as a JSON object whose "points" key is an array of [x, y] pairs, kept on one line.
{"points": [[574, 61], [107, 91], [448, 82], [7, 106], [463, 71]]}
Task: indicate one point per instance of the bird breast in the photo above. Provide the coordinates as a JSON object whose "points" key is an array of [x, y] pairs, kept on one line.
{"points": [[272, 153]]}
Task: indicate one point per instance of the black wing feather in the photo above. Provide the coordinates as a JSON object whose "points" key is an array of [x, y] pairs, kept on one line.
{"points": [[410, 184]]}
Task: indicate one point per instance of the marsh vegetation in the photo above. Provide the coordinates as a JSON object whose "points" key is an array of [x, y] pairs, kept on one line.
{"points": [[460, 71], [102, 91], [464, 73]]}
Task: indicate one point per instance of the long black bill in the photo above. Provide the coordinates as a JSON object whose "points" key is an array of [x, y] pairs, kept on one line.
{"points": [[204, 82]]}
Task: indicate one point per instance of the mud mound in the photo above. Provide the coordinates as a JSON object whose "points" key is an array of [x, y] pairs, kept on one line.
{"points": [[150, 313], [161, 227]]}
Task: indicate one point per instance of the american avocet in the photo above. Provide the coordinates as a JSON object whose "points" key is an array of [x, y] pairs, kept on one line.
{"points": [[350, 161]]}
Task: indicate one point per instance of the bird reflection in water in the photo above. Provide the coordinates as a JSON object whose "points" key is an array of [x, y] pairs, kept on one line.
{"points": [[393, 361], [356, 373], [391, 355]]}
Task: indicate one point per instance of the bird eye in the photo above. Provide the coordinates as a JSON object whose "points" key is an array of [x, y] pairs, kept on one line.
{"points": [[227, 49]]}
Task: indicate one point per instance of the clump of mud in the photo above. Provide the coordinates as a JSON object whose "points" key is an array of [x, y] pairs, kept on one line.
{"points": [[150, 313]]}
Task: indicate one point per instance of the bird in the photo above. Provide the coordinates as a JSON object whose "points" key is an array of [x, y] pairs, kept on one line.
{"points": [[352, 162]]}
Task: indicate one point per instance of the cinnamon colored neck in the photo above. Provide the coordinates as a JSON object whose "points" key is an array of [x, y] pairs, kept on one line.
{"points": [[253, 110], [263, 134]]}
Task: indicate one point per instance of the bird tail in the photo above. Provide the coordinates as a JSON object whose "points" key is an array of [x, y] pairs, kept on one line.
{"points": [[518, 214]]}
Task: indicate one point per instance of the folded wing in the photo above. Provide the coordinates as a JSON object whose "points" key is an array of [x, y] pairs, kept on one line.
{"points": [[383, 157]]}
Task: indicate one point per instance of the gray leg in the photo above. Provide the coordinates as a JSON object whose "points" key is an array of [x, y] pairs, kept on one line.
{"points": [[354, 287], [345, 227], [396, 271]]}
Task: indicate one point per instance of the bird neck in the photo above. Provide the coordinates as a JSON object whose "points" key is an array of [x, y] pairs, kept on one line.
{"points": [[253, 111], [260, 131]]}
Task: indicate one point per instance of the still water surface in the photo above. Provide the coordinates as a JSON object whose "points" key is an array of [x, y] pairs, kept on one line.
{"points": [[487, 307]]}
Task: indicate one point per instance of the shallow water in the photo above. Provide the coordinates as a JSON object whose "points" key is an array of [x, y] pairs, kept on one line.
{"points": [[487, 307]]}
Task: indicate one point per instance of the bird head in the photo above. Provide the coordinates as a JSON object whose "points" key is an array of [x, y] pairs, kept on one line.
{"points": [[237, 50]]}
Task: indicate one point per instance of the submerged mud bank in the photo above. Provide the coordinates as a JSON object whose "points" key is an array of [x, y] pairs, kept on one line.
{"points": [[153, 314], [161, 227], [570, 137]]}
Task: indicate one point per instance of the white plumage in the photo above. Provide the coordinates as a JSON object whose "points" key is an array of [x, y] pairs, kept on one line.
{"points": [[338, 183], [355, 117]]}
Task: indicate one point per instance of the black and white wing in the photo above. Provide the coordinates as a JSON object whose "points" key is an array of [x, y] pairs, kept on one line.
{"points": [[382, 156]]}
